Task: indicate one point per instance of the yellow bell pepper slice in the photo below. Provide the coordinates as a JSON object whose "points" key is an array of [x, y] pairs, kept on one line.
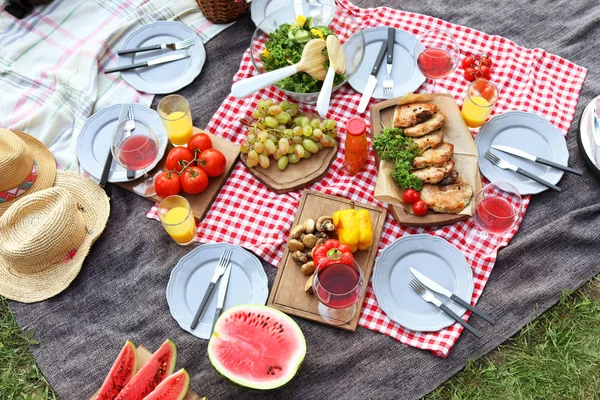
{"points": [[300, 20], [266, 53], [317, 32]]}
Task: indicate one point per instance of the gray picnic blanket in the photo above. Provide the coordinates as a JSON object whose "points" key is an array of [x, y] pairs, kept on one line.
{"points": [[120, 292]]}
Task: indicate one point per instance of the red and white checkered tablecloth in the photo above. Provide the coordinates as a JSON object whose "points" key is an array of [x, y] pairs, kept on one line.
{"points": [[247, 213]]}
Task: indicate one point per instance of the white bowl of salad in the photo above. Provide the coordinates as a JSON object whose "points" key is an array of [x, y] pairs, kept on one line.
{"points": [[279, 39]]}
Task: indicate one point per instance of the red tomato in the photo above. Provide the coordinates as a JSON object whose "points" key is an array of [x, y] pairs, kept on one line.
{"points": [[194, 180], [488, 93], [468, 62], [485, 59], [470, 74], [420, 208], [486, 71], [212, 161], [167, 184], [199, 142], [178, 158], [410, 196]]}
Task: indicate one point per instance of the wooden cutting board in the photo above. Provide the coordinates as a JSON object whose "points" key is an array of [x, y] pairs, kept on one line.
{"points": [[200, 203], [384, 111], [143, 357], [295, 176], [288, 293]]}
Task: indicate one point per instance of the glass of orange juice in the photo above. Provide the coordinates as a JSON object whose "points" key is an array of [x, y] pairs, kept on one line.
{"points": [[177, 218], [174, 111], [479, 102]]}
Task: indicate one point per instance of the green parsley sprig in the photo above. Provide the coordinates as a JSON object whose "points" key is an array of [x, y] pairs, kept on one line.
{"points": [[392, 145]]}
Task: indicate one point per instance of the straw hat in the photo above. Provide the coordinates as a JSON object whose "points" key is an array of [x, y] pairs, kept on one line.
{"points": [[46, 235], [26, 166]]}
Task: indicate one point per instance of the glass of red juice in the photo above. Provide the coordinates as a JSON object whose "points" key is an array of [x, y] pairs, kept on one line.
{"points": [[496, 209], [136, 150], [436, 54], [338, 286]]}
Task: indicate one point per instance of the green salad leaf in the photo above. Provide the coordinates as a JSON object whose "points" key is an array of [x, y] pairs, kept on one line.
{"points": [[281, 50], [392, 145]]}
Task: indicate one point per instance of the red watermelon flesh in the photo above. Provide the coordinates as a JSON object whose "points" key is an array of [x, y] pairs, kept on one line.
{"points": [[173, 388], [256, 347], [154, 371], [120, 373]]}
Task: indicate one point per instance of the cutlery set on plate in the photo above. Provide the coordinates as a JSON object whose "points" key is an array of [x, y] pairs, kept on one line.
{"points": [[184, 44], [388, 81]]}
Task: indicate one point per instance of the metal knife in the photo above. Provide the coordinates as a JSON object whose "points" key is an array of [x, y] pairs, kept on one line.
{"points": [[372, 82], [436, 287], [219, 270], [527, 156], [157, 61], [221, 296]]}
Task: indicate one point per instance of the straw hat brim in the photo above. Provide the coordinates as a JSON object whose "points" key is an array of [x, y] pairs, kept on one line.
{"points": [[46, 168], [30, 288]]}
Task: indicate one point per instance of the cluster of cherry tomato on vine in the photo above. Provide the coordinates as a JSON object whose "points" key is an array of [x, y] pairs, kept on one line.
{"points": [[190, 167], [477, 66]]}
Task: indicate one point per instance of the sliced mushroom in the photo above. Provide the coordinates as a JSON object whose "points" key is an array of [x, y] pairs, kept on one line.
{"points": [[308, 268], [308, 286], [309, 240], [296, 232], [322, 235], [309, 225], [295, 245], [299, 257], [319, 242], [325, 224]]}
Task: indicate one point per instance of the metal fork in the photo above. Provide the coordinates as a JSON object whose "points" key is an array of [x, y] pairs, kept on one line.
{"points": [[129, 126], [426, 295], [388, 81], [507, 165], [219, 270], [183, 44]]}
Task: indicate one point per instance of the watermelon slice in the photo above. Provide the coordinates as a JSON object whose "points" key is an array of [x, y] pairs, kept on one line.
{"points": [[154, 371], [256, 347], [173, 388], [120, 374]]}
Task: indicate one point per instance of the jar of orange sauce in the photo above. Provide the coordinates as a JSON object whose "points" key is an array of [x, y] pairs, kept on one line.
{"points": [[357, 148]]}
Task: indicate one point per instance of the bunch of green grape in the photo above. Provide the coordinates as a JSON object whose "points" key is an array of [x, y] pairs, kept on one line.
{"points": [[279, 131]]}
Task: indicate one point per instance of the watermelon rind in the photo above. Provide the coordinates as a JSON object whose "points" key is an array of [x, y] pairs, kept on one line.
{"points": [[293, 363], [144, 381], [121, 372], [171, 388]]}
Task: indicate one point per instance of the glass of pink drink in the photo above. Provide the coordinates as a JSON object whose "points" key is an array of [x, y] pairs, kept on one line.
{"points": [[338, 287], [496, 210], [437, 54], [137, 150]]}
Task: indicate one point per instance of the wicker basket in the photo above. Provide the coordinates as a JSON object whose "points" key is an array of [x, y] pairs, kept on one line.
{"points": [[223, 11]]}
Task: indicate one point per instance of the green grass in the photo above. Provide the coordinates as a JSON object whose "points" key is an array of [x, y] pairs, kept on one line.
{"points": [[556, 356], [20, 377]]}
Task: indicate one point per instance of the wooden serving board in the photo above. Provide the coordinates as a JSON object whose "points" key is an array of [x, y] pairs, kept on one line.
{"points": [[295, 176], [384, 112], [143, 356], [201, 202], [288, 293]]}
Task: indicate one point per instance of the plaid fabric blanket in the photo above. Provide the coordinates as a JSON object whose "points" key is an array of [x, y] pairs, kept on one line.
{"points": [[51, 63]]}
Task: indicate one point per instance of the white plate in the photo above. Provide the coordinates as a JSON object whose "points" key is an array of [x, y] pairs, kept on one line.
{"points": [[435, 258], [95, 140], [163, 78], [407, 77], [528, 132], [259, 9], [248, 284]]}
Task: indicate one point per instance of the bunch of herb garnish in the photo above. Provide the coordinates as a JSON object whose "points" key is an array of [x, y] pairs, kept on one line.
{"points": [[283, 52], [392, 145]]}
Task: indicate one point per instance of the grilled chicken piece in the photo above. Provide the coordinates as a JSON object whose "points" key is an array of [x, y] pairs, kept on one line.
{"points": [[434, 174], [434, 157], [450, 199], [432, 124], [430, 141], [412, 114], [450, 179]]}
